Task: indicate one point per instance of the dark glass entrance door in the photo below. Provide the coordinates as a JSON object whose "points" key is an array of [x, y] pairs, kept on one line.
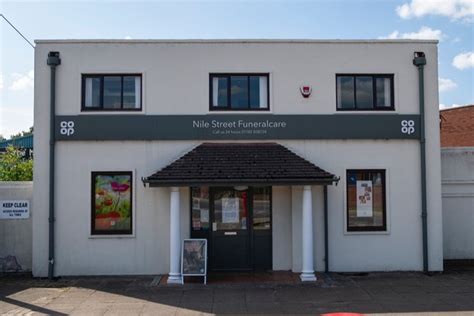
{"points": [[230, 229], [237, 223]]}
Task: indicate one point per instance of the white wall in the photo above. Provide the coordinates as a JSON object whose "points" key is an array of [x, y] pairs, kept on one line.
{"points": [[458, 202], [398, 249], [281, 228], [176, 75], [15, 234], [143, 253], [167, 68]]}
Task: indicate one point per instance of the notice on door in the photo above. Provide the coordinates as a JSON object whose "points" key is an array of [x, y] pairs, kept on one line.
{"points": [[204, 216], [364, 199], [14, 209], [230, 210]]}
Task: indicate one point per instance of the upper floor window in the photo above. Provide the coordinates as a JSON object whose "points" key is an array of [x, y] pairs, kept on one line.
{"points": [[364, 92], [112, 92], [239, 92]]}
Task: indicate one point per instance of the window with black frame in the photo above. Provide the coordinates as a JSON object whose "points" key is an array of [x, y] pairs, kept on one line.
{"points": [[112, 92], [200, 208], [111, 200], [363, 92], [239, 92], [366, 196]]}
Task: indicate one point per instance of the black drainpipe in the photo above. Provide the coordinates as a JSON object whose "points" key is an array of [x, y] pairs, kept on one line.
{"points": [[326, 242], [52, 61], [419, 61]]}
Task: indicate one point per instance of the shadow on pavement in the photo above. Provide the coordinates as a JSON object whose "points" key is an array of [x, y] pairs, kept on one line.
{"points": [[244, 293]]}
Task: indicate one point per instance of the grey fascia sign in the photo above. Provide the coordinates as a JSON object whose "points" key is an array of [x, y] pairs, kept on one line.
{"points": [[234, 127]]}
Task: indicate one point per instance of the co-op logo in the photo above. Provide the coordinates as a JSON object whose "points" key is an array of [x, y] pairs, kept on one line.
{"points": [[408, 126], [67, 128]]}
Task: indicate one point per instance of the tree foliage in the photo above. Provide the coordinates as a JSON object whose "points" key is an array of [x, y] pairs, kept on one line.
{"points": [[14, 167], [23, 133]]}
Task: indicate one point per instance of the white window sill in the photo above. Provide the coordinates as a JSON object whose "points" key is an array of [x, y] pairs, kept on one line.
{"points": [[240, 112], [112, 112], [111, 236], [368, 233], [367, 112]]}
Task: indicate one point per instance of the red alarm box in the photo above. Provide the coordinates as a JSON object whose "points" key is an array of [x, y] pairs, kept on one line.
{"points": [[305, 91]]}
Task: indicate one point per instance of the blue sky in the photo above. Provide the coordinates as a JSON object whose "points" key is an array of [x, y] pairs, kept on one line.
{"points": [[451, 21]]}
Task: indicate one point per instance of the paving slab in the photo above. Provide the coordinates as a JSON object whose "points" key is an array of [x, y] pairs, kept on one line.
{"points": [[373, 293]]}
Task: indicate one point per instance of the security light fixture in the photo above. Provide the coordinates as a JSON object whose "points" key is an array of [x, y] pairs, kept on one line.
{"points": [[53, 59], [419, 59]]}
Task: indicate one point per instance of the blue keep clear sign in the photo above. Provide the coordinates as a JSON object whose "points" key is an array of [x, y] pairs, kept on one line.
{"points": [[14, 209]]}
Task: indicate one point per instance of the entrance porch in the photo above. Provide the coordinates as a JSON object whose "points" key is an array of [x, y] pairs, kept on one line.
{"points": [[231, 203]]}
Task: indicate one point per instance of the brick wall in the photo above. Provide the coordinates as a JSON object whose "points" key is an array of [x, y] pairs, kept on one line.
{"points": [[457, 127]]}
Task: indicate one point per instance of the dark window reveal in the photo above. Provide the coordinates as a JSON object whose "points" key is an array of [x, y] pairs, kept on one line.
{"points": [[111, 203], [262, 205], [239, 92], [364, 92], [112, 92], [366, 207], [200, 208]]}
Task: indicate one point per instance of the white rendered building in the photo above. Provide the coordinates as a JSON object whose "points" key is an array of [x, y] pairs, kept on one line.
{"points": [[299, 155]]}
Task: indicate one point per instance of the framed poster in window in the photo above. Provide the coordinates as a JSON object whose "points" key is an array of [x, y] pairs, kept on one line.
{"points": [[111, 203], [366, 200]]}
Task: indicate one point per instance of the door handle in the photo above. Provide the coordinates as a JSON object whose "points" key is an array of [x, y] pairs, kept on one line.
{"points": [[230, 233]]}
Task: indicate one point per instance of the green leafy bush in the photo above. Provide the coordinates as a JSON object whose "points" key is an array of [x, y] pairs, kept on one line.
{"points": [[13, 167]]}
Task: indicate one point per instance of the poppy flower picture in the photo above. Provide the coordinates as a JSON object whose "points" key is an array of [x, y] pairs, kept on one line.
{"points": [[112, 202]]}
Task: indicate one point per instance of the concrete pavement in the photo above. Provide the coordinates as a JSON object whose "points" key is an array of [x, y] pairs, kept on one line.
{"points": [[449, 293]]}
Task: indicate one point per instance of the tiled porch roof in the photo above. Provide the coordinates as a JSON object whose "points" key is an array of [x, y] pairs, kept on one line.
{"points": [[240, 163]]}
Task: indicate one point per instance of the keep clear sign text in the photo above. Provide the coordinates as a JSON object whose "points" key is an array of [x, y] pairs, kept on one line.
{"points": [[15, 209]]}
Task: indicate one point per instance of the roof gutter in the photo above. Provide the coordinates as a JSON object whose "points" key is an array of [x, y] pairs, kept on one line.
{"points": [[419, 61], [53, 61], [223, 182]]}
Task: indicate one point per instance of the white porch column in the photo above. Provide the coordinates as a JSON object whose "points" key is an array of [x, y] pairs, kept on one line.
{"points": [[308, 269], [175, 238]]}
